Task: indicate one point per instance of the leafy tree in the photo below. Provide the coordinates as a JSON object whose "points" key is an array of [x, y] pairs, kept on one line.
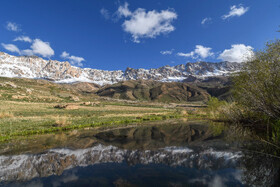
{"points": [[257, 86]]}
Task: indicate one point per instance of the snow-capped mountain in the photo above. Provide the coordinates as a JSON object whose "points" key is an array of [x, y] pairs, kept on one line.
{"points": [[64, 72]]}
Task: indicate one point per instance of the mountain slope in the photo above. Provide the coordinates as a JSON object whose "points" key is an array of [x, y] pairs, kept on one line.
{"points": [[154, 91], [217, 86], [64, 72]]}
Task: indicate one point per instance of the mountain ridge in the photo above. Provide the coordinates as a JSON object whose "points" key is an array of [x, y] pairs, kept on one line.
{"points": [[63, 72]]}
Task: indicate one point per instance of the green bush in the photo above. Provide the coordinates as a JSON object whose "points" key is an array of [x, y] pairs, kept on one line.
{"points": [[257, 86], [215, 108], [214, 103]]}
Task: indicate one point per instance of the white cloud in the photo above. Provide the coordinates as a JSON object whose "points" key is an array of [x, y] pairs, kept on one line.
{"points": [[236, 11], [23, 38], [64, 54], [199, 52], [142, 24], [27, 52], [203, 52], [11, 48], [105, 13], [12, 26], [42, 48], [191, 54], [74, 60], [237, 53], [38, 47], [167, 52], [206, 20], [124, 11]]}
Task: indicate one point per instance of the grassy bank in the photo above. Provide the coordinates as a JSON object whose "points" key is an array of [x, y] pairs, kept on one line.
{"points": [[24, 118]]}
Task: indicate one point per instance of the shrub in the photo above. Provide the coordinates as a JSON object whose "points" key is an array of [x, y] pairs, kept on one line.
{"points": [[236, 113], [214, 103], [257, 86], [61, 106], [214, 108]]}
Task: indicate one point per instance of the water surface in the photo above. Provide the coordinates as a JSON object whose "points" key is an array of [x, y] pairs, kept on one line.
{"points": [[173, 153]]}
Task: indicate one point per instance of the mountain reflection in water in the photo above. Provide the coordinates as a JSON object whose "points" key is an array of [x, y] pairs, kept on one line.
{"points": [[175, 154]]}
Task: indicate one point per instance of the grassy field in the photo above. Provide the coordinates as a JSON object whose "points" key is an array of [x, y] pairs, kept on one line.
{"points": [[38, 106], [24, 118]]}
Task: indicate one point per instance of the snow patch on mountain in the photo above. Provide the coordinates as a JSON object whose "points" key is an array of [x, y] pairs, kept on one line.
{"points": [[63, 72]]}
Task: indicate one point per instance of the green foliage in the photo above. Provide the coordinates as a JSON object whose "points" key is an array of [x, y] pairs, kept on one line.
{"points": [[214, 103], [276, 132], [217, 128], [257, 86], [215, 109]]}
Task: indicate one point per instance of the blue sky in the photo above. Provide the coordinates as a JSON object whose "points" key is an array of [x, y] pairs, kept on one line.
{"points": [[113, 35]]}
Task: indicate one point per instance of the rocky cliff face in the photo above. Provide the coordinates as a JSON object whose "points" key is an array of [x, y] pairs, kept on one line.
{"points": [[63, 72]]}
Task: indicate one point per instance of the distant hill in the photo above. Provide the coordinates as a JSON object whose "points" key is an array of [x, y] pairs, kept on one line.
{"points": [[217, 86], [135, 90], [185, 82], [154, 91]]}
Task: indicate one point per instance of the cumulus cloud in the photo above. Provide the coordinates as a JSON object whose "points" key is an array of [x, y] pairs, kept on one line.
{"points": [[12, 26], [42, 48], [237, 53], [11, 48], [74, 60], [167, 52], [23, 39], [206, 20], [199, 52], [235, 11], [105, 13], [146, 24], [38, 47]]}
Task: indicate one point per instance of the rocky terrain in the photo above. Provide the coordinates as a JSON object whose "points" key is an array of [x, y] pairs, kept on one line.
{"points": [[63, 72], [217, 86], [38, 90], [154, 91]]}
